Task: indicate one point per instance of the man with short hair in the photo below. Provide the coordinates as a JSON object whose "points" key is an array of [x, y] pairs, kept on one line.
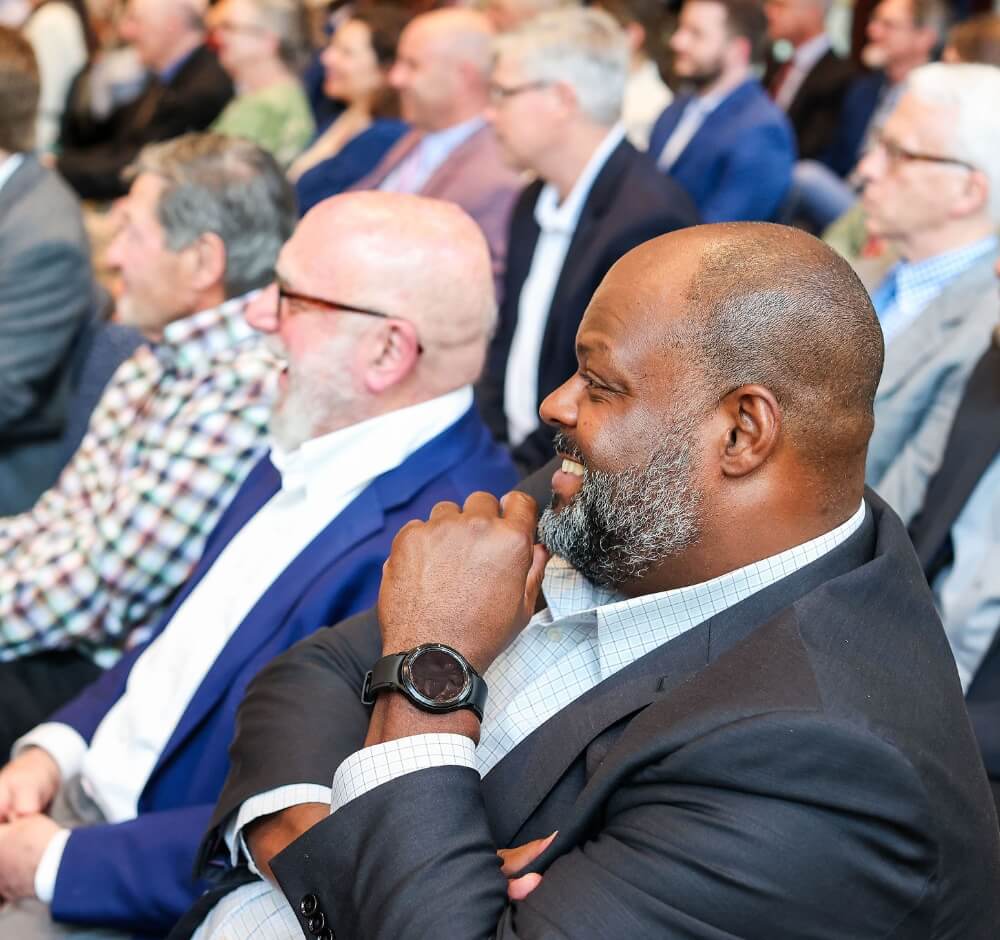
{"points": [[724, 141], [186, 91], [442, 72], [382, 309], [932, 193], [810, 81], [47, 292], [902, 36], [698, 715], [557, 87], [182, 421]]}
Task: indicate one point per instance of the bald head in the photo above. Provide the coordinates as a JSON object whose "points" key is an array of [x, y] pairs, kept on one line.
{"points": [[772, 306], [721, 410], [420, 259], [442, 68]]}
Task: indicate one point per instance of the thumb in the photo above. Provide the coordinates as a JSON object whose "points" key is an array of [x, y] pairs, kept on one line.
{"points": [[519, 888], [533, 583]]}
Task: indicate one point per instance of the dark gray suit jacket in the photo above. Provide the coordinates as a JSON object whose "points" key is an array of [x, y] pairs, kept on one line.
{"points": [[800, 765], [46, 297]]}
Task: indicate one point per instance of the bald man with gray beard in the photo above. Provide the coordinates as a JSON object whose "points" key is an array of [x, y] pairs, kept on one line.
{"points": [[605, 724]]}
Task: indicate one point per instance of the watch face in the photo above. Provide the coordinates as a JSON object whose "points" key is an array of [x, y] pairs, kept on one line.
{"points": [[437, 676]]}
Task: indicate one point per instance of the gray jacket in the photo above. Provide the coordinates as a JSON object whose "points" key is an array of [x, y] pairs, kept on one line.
{"points": [[926, 368]]}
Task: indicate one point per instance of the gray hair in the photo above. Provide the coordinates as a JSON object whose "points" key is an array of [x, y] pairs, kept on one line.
{"points": [[969, 92], [583, 47], [228, 186], [286, 20]]}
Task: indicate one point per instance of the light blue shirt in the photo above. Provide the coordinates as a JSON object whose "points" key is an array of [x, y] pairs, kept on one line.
{"points": [[968, 591], [420, 164], [909, 287]]}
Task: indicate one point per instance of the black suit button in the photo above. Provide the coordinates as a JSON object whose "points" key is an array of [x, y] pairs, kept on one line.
{"points": [[309, 905], [316, 924]]}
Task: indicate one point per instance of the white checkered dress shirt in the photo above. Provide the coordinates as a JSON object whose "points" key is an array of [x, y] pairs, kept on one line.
{"points": [[174, 434], [584, 636]]}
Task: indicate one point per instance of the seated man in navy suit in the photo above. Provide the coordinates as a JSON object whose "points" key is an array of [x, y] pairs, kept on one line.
{"points": [[725, 696], [382, 308], [557, 87], [725, 141]]}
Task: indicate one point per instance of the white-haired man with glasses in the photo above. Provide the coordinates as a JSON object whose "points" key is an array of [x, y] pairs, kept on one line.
{"points": [[382, 309], [932, 193]]}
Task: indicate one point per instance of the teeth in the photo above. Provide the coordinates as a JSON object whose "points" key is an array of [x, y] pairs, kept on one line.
{"points": [[571, 466]]}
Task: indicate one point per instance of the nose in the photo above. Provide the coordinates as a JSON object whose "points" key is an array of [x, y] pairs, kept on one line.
{"points": [[326, 56], [869, 165], [262, 310], [396, 76], [559, 410]]}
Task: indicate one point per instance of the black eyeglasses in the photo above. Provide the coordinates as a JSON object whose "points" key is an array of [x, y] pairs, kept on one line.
{"points": [[895, 154], [498, 93], [332, 306]]}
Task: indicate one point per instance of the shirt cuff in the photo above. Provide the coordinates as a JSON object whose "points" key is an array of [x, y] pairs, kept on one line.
{"points": [[372, 766], [61, 741], [263, 804], [48, 867]]}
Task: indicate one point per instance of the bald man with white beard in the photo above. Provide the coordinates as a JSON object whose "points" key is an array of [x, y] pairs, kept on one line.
{"points": [[382, 308]]}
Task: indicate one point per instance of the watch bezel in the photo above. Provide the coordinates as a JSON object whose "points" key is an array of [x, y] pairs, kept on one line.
{"points": [[406, 678]]}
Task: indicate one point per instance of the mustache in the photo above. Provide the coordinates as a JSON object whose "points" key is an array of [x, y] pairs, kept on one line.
{"points": [[564, 444]]}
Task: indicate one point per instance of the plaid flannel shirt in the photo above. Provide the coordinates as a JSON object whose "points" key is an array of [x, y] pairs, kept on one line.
{"points": [[104, 551]]}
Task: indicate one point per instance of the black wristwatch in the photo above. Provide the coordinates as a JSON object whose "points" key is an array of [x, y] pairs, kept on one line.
{"points": [[433, 676]]}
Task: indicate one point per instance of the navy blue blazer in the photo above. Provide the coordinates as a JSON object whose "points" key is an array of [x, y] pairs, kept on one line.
{"points": [[356, 159], [738, 166], [629, 203], [137, 875], [860, 102]]}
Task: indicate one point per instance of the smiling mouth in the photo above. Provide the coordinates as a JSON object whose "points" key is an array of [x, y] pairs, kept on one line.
{"points": [[572, 467]]}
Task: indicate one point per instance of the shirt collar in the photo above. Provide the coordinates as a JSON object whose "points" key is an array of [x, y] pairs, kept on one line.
{"points": [[552, 216], [327, 467], [445, 141], [195, 340], [168, 74], [646, 622], [915, 280], [809, 53], [9, 167]]}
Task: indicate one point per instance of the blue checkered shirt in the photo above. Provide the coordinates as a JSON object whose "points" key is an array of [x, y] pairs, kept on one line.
{"points": [[909, 287]]}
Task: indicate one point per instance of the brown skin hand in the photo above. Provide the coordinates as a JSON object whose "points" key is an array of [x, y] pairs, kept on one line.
{"points": [[270, 835], [469, 578]]}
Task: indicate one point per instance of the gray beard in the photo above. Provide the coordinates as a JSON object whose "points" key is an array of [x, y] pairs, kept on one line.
{"points": [[622, 524]]}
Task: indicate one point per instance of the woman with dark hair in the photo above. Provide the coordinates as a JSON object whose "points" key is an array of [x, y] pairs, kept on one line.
{"points": [[63, 39], [356, 65]]}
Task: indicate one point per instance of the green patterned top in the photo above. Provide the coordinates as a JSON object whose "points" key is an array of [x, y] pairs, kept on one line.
{"points": [[276, 118]]}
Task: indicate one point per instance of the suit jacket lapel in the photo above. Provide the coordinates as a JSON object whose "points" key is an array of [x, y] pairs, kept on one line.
{"points": [[916, 344], [389, 162], [21, 181], [973, 443], [466, 154], [364, 516], [596, 205], [516, 786]]}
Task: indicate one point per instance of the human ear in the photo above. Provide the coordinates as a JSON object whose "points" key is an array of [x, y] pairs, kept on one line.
{"points": [[974, 196], [395, 351], [207, 264], [751, 426]]}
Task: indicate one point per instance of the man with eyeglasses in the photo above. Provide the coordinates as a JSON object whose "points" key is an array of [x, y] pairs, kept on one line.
{"points": [[932, 193], [557, 90], [381, 312]]}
